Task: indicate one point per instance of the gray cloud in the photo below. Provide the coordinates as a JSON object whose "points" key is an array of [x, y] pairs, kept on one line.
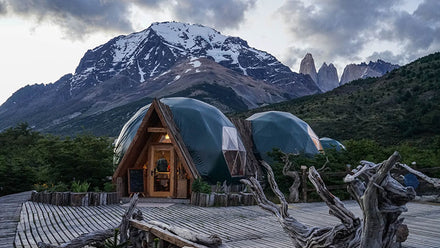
{"points": [[213, 13], [219, 14], [420, 30], [2, 8], [429, 10], [342, 29], [80, 17], [76, 17], [386, 56]]}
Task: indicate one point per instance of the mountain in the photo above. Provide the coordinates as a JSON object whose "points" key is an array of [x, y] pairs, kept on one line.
{"points": [[363, 70], [166, 59], [307, 67], [327, 77], [403, 105]]}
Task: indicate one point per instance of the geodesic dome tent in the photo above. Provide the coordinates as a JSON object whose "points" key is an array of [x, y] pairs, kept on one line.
{"points": [[282, 130], [328, 143], [210, 138]]}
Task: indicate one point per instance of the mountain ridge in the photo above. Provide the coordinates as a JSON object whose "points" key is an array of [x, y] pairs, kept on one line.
{"points": [[401, 106], [128, 68]]}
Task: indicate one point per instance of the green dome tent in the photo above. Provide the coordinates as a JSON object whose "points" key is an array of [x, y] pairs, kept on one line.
{"points": [[210, 137], [282, 130], [328, 143]]}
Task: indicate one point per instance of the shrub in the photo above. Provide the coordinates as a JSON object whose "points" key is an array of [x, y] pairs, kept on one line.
{"points": [[201, 186], [109, 187], [77, 186]]}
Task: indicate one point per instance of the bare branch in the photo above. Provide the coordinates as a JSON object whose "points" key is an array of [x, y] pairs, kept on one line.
{"points": [[434, 181], [337, 208]]}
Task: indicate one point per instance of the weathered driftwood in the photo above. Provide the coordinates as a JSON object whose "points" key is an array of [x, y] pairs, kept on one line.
{"points": [[211, 240], [294, 189], [97, 237], [162, 234], [434, 181], [83, 240], [342, 235], [125, 222], [382, 200]]}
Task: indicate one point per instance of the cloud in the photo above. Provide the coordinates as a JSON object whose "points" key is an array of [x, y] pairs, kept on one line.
{"points": [[219, 14], [387, 56], [346, 29], [2, 8], [76, 17], [80, 17], [213, 13]]}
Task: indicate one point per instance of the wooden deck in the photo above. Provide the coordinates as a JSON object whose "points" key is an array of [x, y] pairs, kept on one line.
{"points": [[247, 226], [10, 207]]}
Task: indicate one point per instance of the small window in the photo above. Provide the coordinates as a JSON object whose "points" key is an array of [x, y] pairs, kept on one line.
{"points": [[233, 151]]}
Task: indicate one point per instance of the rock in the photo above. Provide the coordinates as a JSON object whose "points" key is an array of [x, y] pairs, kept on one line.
{"points": [[307, 67], [363, 70], [327, 77]]}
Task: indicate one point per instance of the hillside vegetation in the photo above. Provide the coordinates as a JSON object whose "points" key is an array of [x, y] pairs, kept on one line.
{"points": [[31, 160], [402, 106]]}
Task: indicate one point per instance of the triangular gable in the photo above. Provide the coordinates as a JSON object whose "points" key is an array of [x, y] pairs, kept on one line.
{"points": [[142, 135]]}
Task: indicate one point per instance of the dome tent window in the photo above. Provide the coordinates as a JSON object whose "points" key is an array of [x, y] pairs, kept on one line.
{"points": [[233, 151]]}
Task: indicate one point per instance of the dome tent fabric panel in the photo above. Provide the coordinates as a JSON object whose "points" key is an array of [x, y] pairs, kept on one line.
{"points": [[328, 143], [314, 138], [282, 130], [201, 127], [127, 134]]}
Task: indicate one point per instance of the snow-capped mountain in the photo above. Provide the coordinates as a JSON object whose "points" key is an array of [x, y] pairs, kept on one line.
{"points": [[144, 65], [149, 53]]}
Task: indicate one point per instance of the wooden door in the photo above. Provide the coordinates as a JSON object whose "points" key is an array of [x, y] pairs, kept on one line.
{"points": [[161, 174]]}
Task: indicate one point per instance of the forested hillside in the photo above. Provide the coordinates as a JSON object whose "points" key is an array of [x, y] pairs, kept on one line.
{"points": [[403, 105], [31, 160]]}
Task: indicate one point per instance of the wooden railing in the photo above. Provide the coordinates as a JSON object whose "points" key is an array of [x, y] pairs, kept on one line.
{"points": [[75, 199]]}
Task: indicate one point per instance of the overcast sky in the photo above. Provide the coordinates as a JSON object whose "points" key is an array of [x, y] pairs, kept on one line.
{"points": [[41, 40]]}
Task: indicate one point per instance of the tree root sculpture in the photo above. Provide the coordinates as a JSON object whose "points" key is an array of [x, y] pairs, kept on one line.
{"points": [[381, 198]]}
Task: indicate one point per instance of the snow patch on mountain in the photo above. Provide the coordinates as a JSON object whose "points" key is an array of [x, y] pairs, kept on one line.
{"points": [[124, 48]]}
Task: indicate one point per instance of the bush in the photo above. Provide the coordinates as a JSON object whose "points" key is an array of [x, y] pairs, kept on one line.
{"points": [[78, 187], [109, 187], [201, 186]]}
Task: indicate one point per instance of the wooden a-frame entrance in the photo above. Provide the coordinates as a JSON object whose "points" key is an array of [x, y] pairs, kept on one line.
{"points": [[157, 162]]}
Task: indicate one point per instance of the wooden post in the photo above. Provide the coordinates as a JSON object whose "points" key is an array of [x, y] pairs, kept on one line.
{"points": [[304, 182], [119, 187]]}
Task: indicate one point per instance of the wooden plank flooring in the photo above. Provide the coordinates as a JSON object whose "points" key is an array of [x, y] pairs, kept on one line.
{"points": [[10, 207], [238, 226]]}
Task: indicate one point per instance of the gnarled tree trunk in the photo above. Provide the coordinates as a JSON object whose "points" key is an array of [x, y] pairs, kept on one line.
{"points": [[294, 188], [381, 198]]}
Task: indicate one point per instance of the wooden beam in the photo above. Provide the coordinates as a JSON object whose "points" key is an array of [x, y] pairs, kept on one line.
{"points": [[157, 130], [164, 234]]}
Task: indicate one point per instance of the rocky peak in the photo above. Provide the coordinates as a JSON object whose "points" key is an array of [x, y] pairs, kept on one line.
{"points": [[364, 70], [307, 67], [327, 77]]}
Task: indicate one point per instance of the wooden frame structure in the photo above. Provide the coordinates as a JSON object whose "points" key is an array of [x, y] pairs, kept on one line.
{"points": [[157, 125]]}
